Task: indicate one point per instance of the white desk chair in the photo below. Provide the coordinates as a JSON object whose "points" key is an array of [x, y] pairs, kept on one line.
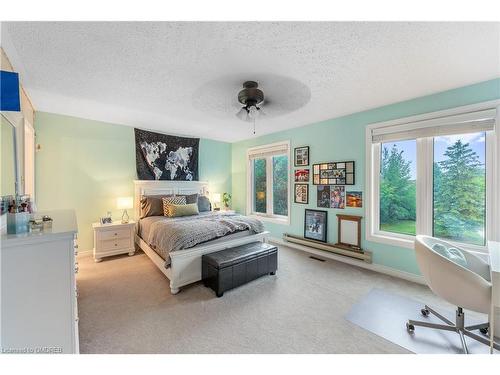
{"points": [[460, 278]]}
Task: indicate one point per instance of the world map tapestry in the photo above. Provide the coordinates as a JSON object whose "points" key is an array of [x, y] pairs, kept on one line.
{"points": [[166, 157]]}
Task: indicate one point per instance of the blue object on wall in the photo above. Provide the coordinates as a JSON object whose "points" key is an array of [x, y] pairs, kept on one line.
{"points": [[9, 91]]}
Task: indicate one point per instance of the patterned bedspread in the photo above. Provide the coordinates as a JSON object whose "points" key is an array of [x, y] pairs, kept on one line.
{"points": [[170, 235]]}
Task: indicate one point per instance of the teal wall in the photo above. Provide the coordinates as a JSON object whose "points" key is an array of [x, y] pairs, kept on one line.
{"points": [[85, 165], [343, 138]]}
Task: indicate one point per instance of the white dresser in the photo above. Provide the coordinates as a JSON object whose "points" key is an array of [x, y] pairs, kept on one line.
{"points": [[39, 311]]}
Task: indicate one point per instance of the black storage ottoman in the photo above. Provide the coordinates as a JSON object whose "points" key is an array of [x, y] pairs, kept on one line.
{"points": [[229, 268]]}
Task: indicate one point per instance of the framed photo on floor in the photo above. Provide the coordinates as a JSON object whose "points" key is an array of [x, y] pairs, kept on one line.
{"points": [[301, 193], [316, 225], [301, 156]]}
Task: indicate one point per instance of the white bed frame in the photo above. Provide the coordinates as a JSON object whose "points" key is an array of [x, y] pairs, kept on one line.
{"points": [[185, 265]]}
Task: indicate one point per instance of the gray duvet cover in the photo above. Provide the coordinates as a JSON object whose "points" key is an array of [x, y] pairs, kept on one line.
{"points": [[165, 235]]}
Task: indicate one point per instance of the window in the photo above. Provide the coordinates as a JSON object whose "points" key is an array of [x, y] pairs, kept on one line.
{"points": [[259, 186], [435, 174], [398, 176], [459, 193], [268, 181]]}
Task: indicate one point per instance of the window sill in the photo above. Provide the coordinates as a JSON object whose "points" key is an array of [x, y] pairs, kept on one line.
{"points": [[272, 219], [388, 239], [409, 242]]}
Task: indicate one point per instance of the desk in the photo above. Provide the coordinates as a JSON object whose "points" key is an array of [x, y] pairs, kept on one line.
{"points": [[494, 252]]}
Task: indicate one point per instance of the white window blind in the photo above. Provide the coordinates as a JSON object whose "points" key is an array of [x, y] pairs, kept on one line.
{"points": [[463, 123], [268, 150]]}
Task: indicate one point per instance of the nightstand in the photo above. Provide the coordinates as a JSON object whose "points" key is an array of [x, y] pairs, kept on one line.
{"points": [[113, 239]]}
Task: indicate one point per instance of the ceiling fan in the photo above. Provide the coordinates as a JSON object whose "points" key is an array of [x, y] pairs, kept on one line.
{"points": [[252, 98]]}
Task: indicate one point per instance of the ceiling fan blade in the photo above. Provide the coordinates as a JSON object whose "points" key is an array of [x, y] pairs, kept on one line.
{"points": [[242, 114]]}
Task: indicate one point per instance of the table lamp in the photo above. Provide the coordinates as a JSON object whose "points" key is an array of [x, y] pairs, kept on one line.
{"points": [[123, 203], [216, 199]]}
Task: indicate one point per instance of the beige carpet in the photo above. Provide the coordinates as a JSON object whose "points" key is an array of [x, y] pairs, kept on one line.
{"points": [[125, 306]]}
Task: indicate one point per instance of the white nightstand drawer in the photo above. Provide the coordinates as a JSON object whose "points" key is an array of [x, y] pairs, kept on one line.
{"points": [[114, 234], [119, 243]]}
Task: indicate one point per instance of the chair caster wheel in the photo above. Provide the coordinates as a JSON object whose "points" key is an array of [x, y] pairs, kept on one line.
{"points": [[410, 328], [425, 312], [484, 331]]}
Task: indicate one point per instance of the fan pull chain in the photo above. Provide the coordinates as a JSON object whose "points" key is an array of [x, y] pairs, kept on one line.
{"points": [[254, 126]]}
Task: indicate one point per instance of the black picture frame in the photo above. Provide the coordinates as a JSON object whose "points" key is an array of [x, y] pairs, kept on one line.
{"points": [[106, 220], [302, 163], [334, 173], [321, 228], [306, 186]]}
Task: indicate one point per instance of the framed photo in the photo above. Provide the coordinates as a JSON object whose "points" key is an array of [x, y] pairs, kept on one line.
{"points": [[334, 173], [349, 229], [301, 156], [301, 193], [323, 196], [316, 225], [301, 175], [106, 220], [337, 197], [354, 199]]}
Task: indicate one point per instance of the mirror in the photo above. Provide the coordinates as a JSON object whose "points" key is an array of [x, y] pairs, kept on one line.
{"points": [[8, 177]]}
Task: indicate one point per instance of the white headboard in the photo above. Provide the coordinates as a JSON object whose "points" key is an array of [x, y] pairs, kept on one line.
{"points": [[158, 187]]}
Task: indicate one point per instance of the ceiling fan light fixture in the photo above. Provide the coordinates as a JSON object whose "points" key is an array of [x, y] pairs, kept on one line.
{"points": [[253, 112], [250, 97]]}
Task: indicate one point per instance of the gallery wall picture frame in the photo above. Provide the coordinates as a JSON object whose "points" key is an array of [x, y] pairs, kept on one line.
{"points": [[354, 199], [316, 225], [334, 173], [331, 196], [337, 196], [323, 196], [301, 175], [301, 156], [301, 193], [349, 232]]}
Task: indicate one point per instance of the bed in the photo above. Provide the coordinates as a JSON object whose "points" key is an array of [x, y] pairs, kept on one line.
{"points": [[183, 266]]}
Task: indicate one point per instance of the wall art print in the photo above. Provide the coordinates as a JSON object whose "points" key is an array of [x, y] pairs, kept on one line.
{"points": [[331, 196], [316, 225], [301, 175], [354, 199], [301, 193], [166, 157], [334, 173]]}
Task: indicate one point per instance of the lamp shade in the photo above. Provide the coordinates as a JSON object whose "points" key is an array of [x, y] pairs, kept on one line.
{"points": [[123, 203], [216, 198]]}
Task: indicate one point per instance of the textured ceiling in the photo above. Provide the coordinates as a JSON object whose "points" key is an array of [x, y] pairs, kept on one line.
{"points": [[183, 77]]}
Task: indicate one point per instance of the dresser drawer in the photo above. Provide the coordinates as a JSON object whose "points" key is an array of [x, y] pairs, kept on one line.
{"points": [[119, 243], [114, 234]]}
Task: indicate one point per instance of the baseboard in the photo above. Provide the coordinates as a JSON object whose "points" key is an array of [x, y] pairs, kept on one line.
{"points": [[85, 253], [370, 266]]}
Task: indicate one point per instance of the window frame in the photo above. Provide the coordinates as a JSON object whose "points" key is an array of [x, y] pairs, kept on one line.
{"points": [[283, 149], [424, 183]]}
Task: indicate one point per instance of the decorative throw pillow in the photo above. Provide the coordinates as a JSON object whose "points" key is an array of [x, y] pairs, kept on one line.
{"points": [[190, 199], [168, 201], [204, 204], [177, 210], [152, 205]]}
